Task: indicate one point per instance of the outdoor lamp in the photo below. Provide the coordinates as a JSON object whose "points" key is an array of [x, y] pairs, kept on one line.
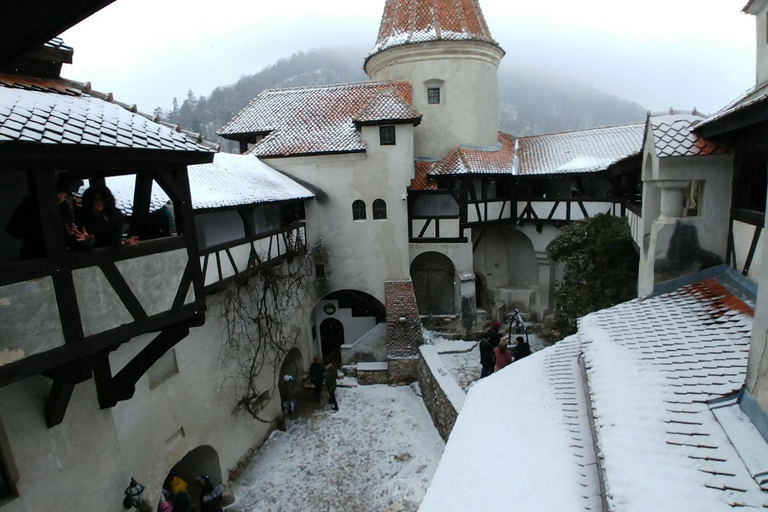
{"points": [[133, 495]]}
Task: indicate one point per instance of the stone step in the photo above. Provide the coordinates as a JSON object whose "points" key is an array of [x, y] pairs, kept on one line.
{"points": [[372, 373]]}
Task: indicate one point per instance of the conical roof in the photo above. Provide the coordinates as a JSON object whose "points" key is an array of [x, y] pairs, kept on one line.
{"points": [[420, 21]]}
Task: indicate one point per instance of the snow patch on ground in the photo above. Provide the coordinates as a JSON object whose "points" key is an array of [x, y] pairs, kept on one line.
{"points": [[380, 450]]}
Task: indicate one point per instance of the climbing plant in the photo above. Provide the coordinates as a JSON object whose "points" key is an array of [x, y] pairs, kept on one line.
{"points": [[260, 312], [599, 268]]}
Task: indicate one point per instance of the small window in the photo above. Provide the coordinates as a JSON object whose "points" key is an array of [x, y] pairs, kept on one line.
{"points": [[379, 209], [320, 270], [387, 135], [358, 210], [433, 95]]}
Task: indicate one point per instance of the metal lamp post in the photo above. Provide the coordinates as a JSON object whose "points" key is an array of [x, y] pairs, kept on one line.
{"points": [[133, 495]]}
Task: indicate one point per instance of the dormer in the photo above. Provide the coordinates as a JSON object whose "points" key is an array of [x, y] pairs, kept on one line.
{"points": [[759, 9]]}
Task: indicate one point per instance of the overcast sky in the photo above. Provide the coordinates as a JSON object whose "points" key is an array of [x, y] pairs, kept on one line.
{"points": [[659, 53]]}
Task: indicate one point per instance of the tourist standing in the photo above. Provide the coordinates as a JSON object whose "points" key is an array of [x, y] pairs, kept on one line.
{"points": [[522, 349], [287, 390], [316, 374], [487, 361], [330, 383], [211, 497], [493, 335], [503, 355]]}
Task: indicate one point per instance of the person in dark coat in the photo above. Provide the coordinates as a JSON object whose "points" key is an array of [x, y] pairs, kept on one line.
{"points": [[487, 361], [183, 502], [493, 335], [316, 374], [330, 383], [26, 225], [287, 388], [211, 497], [100, 223], [522, 349]]}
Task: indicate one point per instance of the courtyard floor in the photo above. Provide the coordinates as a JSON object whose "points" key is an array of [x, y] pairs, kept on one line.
{"points": [[378, 453]]}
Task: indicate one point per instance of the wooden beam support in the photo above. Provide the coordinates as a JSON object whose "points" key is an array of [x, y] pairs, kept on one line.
{"points": [[58, 256], [124, 292], [58, 401]]}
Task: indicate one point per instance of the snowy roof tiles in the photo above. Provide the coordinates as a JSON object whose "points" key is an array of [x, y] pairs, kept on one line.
{"points": [[65, 112], [230, 180], [652, 366], [320, 120], [579, 151], [754, 96], [420, 21], [674, 136]]}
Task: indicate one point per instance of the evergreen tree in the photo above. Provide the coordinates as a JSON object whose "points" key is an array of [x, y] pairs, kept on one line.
{"points": [[600, 271]]}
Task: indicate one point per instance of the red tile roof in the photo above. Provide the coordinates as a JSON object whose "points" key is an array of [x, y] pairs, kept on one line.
{"points": [[579, 151], [420, 21], [674, 136], [320, 119], [66, 112]]}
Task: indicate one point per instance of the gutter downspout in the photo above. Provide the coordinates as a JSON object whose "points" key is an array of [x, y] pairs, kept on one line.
{"points": [[598, 459]]}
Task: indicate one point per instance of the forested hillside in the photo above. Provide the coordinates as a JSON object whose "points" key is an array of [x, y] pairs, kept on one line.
{"points": [[530, 102]]}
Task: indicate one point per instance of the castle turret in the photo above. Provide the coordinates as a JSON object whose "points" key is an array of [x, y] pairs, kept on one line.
{"points": [[444, 48]]}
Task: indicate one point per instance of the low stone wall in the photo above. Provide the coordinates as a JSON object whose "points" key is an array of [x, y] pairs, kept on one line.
{"points": [[440, 392], [371, 373], [403, 370]]}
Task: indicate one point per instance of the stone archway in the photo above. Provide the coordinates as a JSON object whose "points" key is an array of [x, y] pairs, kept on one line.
{"points": [[203, 460], [331, 339], [434, 283]]}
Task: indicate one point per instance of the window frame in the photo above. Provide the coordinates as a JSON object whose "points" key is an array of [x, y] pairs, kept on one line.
{"points": [[359, 214], [384, 132], [379, 206], [430, 90]]}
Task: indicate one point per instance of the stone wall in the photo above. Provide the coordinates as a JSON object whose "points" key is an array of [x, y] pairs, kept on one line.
{"points": [[441, 394]]}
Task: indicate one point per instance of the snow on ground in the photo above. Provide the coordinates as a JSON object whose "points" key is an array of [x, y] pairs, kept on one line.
{"points": [[380, 450], [462, 357]]}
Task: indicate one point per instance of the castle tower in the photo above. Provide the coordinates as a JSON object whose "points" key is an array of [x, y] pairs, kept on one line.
{"points": [[444, 48]]}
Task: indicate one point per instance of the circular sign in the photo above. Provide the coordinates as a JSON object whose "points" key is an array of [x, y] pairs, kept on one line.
{"points": [[329, 309]]}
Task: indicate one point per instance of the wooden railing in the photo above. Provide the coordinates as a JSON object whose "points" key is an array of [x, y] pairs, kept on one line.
{"points": [[222, 263]]}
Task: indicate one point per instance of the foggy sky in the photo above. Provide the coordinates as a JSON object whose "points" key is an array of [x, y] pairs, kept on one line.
{"points": [[659, 53]]}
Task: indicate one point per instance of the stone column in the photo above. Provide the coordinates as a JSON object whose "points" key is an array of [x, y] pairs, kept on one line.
{"points": [[403, 331], [546, 283], [672, 198]]}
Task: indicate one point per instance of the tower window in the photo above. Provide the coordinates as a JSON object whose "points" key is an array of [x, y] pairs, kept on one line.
{"points": [[433, 95], [387, 135], [379, 209], [358, 210]]}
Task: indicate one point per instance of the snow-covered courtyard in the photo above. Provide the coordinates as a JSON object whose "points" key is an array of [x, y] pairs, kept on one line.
{"points": [[378, 452]]}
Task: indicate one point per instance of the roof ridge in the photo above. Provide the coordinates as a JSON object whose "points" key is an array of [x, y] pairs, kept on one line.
{"points": [[676, 112], [642, 123], [330, 86]]}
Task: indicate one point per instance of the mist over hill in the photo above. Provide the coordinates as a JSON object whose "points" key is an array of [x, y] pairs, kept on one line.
{"points": [[530, 101]]}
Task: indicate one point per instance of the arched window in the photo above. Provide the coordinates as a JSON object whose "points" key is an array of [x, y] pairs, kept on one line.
{"points": [[379, 209], [358, 210]]}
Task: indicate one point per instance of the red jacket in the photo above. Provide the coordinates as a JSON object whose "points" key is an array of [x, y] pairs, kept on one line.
{"points": [[503, 357]]}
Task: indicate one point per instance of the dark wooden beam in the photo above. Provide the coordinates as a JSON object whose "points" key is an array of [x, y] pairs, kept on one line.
{"points": [[58, 401], [58, 256], [124, 292], [142, 195]]}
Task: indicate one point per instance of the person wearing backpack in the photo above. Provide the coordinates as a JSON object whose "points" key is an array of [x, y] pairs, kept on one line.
{"points": [[316, 375]]}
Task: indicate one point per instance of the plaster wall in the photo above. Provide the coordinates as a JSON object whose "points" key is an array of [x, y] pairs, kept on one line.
{"points": [[355, 327], [761, 39], [29, 318], [677, 246], [757, 366], [86, 462], [465, 72], [218, 227], [362, 254]]}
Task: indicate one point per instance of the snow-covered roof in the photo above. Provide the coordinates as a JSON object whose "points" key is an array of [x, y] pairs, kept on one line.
{"points": [[422, 21], [673, 135], [652, 366], [58, 43], [320, 119], [579, 151], [754, 96], [50, 111], [230, 180]]}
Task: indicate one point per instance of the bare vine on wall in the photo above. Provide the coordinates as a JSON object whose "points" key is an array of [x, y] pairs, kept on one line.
{"points": [[259, 313]]}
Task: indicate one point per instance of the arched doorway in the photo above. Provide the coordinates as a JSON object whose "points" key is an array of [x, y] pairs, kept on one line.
{"points": [[331, 339], [434, 282], [203, 460], [293, 364]]}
